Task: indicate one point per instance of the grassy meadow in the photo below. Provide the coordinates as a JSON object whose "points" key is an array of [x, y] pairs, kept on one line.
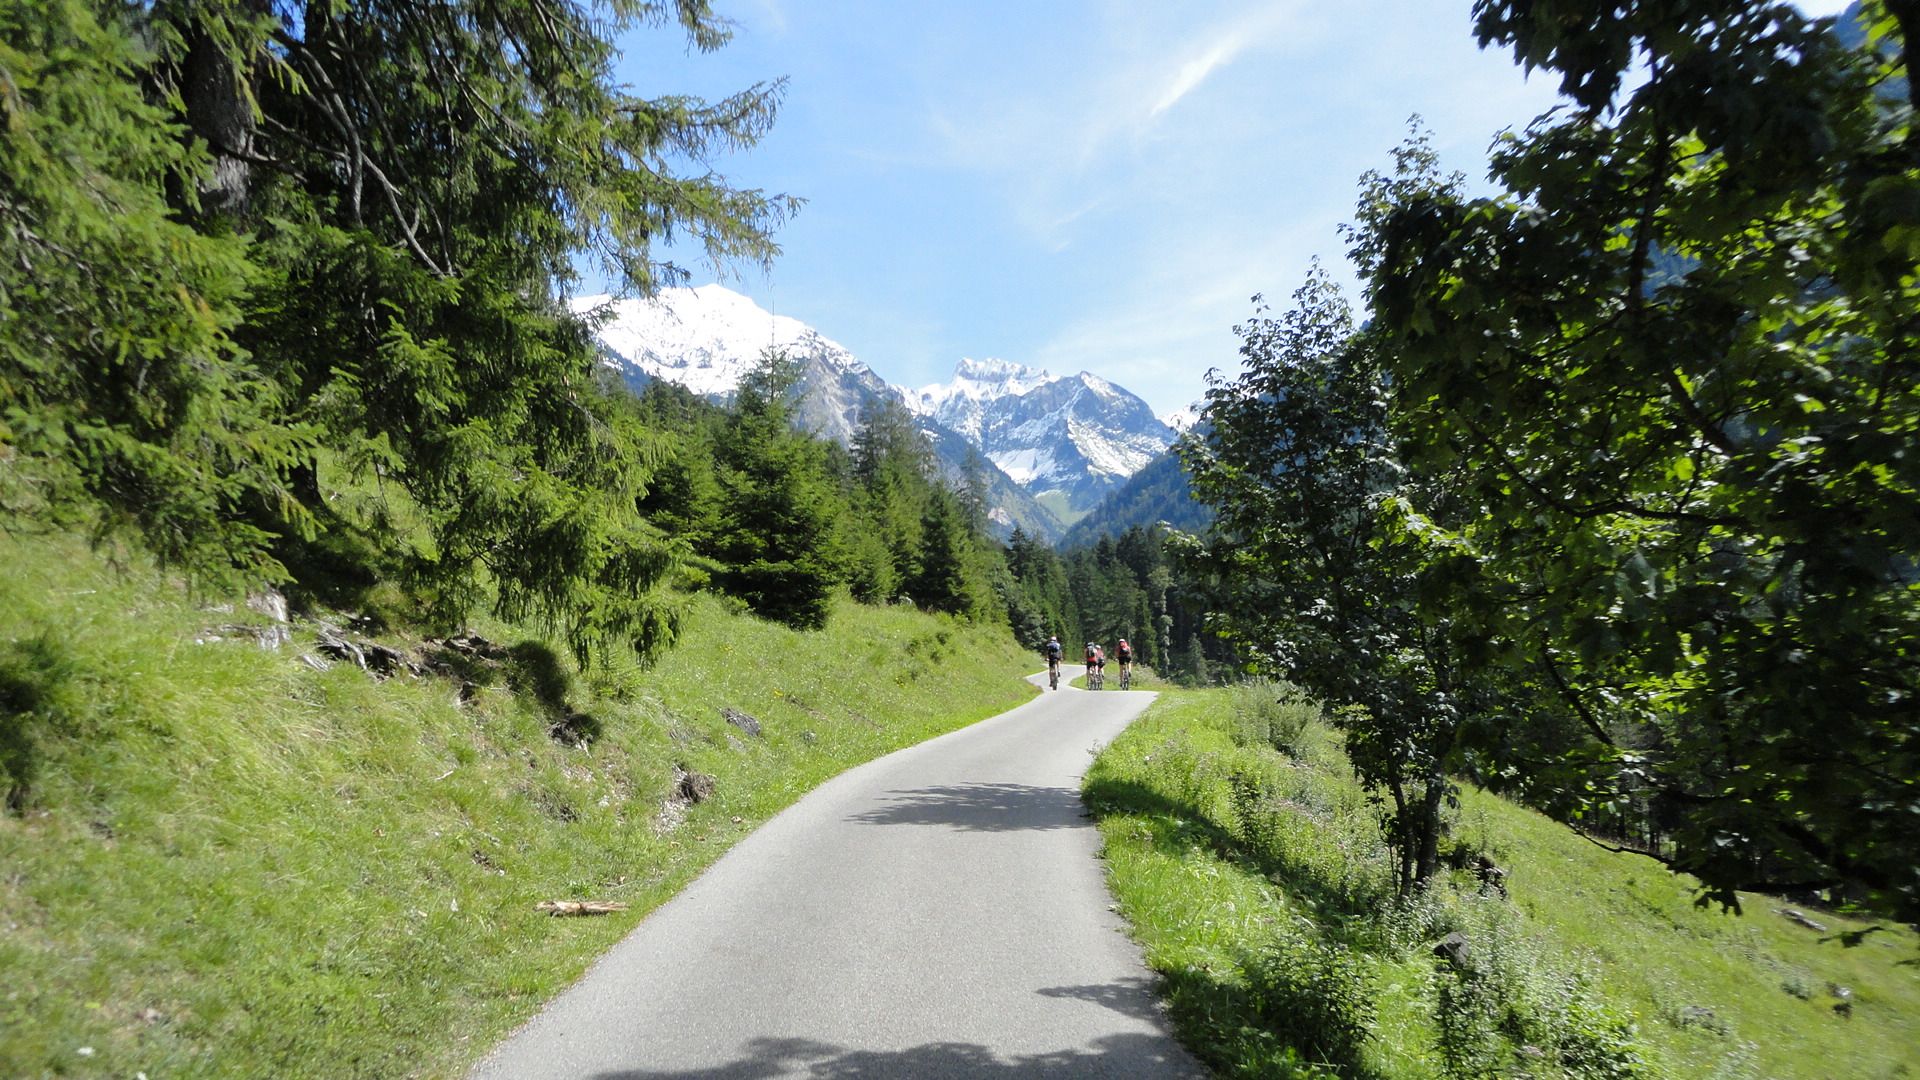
{"points": [[226, 863], [1255, 880]]}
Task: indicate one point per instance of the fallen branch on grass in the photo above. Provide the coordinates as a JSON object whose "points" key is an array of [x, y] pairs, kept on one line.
{"points": [[557, 908]]}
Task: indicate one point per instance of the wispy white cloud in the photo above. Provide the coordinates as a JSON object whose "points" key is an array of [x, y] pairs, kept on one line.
{"points": [[1218, 52], [769, 16], [1106, 96]]}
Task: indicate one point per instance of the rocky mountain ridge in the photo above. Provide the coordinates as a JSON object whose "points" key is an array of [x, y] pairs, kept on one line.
{"points": [[1052, 445]]}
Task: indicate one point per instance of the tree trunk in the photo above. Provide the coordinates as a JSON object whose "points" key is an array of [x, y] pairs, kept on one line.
{"points": [[219, 106], [1428, 827], [1401, 842]]}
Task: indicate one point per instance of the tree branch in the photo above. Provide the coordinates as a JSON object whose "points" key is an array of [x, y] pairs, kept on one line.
{"points": [[1573, 699]]}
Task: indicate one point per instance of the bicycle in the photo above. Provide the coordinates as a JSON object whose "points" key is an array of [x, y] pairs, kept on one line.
{"points": [[1126, 676], [1053, 674]]}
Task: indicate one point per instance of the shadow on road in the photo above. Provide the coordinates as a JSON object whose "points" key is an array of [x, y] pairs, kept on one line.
{"points": [[1129, 997], [1142, 1056], [980, 808]]}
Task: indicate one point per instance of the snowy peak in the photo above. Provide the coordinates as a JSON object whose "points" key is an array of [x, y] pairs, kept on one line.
{"points": [[975, 382], [1076, 435], [706, 339], [1066, 440], [1182, 420]]}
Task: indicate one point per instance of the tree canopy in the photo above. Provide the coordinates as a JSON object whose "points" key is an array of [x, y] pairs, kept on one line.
{"points": [[1651, 412], [258, 256]]}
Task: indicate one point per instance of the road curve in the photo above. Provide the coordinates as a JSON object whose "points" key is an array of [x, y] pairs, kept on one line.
{"points": [[939, 912]]}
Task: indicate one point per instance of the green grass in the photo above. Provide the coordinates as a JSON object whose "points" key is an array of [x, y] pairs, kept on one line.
{"points": [[1257, 885], [230, 864], [1057, 504]]}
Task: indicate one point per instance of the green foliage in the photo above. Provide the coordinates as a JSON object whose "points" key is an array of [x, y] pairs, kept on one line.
{"points": [[1125, 587], [261, 258], [781, 507], [1669, 374], [1591, 967], [41, 697], [1298, 462], [1312, 994], [952, 573], [1036, 593], [1501, 1013], [124, 400], [1269, 713]]}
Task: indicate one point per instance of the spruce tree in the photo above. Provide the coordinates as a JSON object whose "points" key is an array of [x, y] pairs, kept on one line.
{"points": [[782, 509], [403, 190], [124, 401]]}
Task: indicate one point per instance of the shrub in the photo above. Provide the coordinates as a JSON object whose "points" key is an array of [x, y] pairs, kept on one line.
{"points": [[39, 699], [1270, 713], [1313, 994], [1509, 1009]]}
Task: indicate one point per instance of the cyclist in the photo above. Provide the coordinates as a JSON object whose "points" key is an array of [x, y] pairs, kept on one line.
{"points": [[1124, 653], [1054, 652]]}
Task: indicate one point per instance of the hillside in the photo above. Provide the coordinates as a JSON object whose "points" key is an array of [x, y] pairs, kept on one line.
{"points": [[230, 860], [1257, 881], [1159, 492]]}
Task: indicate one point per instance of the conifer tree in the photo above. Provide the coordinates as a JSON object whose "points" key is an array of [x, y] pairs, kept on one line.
{"points": [[403, 188], [124, 401], [782, 509]]}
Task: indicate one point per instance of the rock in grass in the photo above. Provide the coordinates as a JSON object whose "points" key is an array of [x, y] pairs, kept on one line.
{"points": [[694, 787], [741, 720], [1798, 916]]}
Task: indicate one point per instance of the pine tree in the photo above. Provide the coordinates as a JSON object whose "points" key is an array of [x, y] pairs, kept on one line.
{"points": [[124, 401], [402, 189], [782, 509]]}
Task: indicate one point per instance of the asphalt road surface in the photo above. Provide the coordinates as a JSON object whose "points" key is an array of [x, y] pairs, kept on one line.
{"points": [[940, 912]]}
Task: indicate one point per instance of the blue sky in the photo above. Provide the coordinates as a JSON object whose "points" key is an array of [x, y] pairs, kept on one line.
{"points": [[1088, 185]]}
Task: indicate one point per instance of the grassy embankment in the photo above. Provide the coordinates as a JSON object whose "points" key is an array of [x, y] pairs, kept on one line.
{"points": [[231, 864], [1257, 883]]}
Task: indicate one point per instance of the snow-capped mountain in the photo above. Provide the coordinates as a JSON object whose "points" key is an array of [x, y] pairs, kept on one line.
{"points": [[1181, 420], [1067, 439], [1076, 435], [708, 339]]}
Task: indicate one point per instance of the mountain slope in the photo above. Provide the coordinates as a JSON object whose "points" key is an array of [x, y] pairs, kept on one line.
{"points": [[1074, 437], [707, 339], [1159, 492], [1052, 445]]}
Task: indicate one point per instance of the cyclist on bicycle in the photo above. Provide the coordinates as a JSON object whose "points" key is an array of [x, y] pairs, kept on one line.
{"points": [[1054, 653], [1124, 653]]}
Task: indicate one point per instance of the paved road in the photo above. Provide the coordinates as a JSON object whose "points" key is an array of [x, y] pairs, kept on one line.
{"points": [[937, 913]]}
